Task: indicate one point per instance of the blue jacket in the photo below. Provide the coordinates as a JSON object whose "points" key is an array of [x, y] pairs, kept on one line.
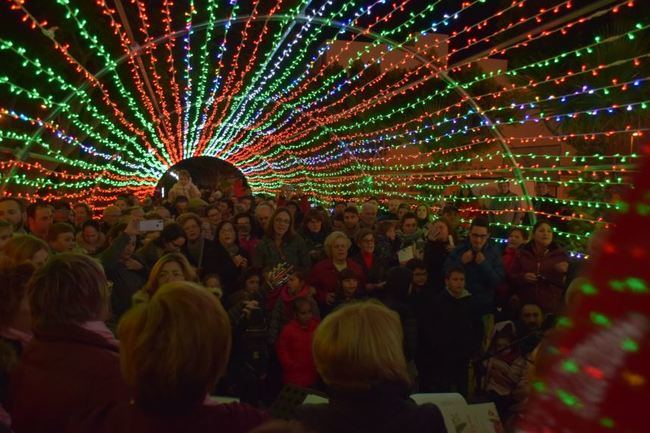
{"points": [[480, 280]]}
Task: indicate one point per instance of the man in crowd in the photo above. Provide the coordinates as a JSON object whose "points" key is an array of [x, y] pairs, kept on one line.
{"points": [[368, 216], [506, 209], [393, 206], [62, 212], [12, 210], [110, 217], [39, 219], [263, 213], [351, 222]]}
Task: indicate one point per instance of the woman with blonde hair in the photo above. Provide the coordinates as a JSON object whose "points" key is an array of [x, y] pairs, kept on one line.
{"points": [[71, 364], [173, 349], [358, 353], [170, 267], [27, 248]]}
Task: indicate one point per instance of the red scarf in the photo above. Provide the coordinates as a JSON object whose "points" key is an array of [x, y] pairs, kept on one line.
{"points": [[367, 259]]}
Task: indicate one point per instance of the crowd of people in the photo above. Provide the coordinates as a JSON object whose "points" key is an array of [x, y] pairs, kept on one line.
{"points": [[130, 320]]}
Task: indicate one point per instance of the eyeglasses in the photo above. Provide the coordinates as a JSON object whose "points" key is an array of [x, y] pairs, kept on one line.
{"points": [[477, 236]]}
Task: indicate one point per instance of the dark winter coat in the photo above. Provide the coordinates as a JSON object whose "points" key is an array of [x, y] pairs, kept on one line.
{"points": [[125, 281], [435, 254], [450, 334], [384, 408], [207, 418], [293, 252], [374, 274]]}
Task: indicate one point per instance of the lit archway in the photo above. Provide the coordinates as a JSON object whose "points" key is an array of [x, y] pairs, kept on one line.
{"points": [[207, 173]]}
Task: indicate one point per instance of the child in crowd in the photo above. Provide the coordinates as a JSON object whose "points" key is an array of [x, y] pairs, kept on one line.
{"points": [[61, 238], [249, 362], [212, 282], [246, 304], [295, 343], [516, 238], [419, 277], [347, 291], [296, 287], [505, 309], [506, 371], [448, 338]]}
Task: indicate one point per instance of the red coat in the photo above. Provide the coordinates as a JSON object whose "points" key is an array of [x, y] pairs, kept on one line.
{"points": [[294, 351], [504, 290], [324, 277], [64, 371], [207, 418]]}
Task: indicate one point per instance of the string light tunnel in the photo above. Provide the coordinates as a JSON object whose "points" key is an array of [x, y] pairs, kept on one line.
{"points": [[341, 99]]}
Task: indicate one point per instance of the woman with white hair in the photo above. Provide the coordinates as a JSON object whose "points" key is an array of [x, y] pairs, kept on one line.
{"points": [[324, 275]]}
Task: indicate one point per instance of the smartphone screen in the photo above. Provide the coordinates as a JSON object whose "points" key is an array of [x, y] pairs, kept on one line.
{"points": [[150, 225]]}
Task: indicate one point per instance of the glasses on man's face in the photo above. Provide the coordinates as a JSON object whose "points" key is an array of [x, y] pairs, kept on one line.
{"points": [[477, 236]]}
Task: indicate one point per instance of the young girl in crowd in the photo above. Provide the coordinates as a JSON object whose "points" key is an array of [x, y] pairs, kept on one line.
{"points": [[347, 291], [296, 287], [250, 356], [212, 282], [505, 308], [295, 343]]}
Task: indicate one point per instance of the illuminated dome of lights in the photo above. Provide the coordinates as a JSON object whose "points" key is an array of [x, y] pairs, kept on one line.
{"points": [[341, 99]]}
